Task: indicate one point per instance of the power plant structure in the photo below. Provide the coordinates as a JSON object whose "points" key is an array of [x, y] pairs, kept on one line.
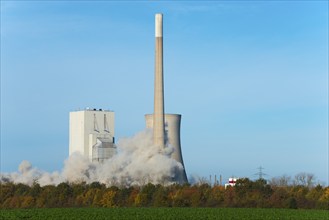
{"points": [[92, 134], [92, 130], [166, 127]]}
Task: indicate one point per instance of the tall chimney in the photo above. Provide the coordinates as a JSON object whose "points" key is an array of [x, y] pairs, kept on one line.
{"points": [[166, 127], [158, 121]]}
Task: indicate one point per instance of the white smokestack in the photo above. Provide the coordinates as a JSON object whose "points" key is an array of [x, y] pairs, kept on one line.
{"points": [[158, 121], [168, 136], [158, 25]]}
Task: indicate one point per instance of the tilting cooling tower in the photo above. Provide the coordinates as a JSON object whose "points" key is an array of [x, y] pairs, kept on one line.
{"points": [[166, 127], [172, 138]]}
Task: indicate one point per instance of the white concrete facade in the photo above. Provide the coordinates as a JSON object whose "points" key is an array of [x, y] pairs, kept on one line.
{"points": [[92, 134]]}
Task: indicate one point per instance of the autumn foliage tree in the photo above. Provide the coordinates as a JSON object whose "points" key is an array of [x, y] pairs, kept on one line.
{"points": [[246, 193]]}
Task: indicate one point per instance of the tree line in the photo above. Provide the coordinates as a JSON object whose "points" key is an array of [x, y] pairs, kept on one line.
{"points": [[246, 193]]}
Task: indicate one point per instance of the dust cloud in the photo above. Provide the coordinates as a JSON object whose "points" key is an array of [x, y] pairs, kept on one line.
{"points": [[136, 163]]}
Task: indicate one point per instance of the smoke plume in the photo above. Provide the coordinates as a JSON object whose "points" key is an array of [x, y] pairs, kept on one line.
{"points": [[137, 162]]}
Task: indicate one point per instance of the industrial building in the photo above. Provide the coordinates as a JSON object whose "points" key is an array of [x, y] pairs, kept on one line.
{"points": [[166, 127], [92, 134], [92, 130], [231, 182]]}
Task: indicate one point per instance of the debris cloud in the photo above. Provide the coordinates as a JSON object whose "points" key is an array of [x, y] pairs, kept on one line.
{"points": [[137, 162]]}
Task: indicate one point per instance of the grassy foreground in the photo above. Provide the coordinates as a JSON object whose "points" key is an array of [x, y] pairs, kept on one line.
{"points": [[163, 213]]}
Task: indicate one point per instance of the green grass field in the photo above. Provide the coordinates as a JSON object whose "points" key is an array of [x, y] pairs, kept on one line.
{"points": [[163, 213]]}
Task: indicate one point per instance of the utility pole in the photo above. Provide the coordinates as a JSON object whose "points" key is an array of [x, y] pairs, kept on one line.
{"points": [[260, 173]]}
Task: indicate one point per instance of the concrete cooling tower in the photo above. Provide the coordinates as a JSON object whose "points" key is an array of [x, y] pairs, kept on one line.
{"points": [[166, 127]]}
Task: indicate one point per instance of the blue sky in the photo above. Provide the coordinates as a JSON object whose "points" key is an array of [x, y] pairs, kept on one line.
{"points": [[250, 79]]}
